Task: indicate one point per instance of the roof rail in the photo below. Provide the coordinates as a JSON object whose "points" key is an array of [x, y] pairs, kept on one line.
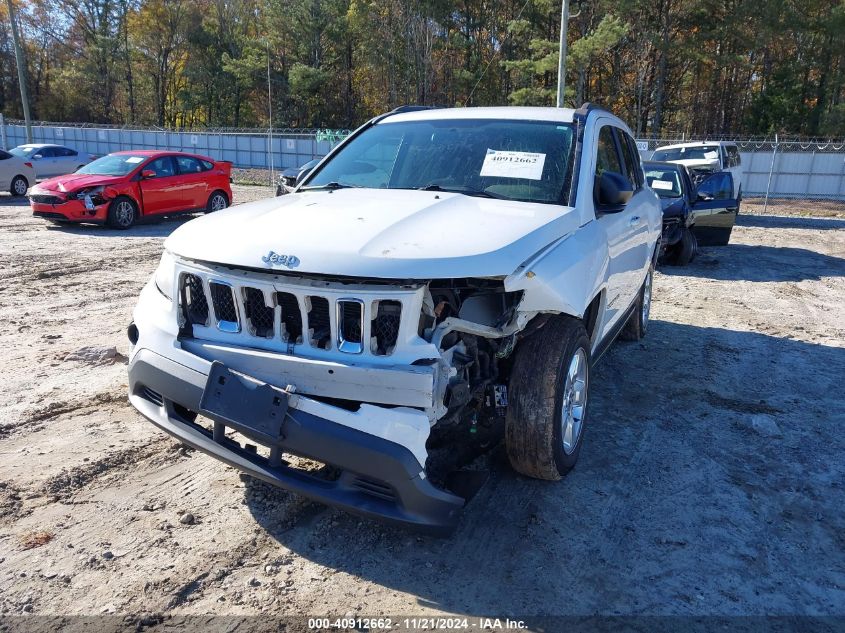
{"points": [[412, 108], [588, 107]]}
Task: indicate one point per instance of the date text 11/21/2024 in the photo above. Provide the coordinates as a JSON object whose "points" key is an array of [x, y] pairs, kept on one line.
{"points": [[416, 624]]}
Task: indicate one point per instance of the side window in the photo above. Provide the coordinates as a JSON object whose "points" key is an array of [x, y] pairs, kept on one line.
{"points": [[606, 157], [718, 186], [631, 158], [162, 167], [207, 165], [188, 165], [47, 152], [65, 151], [733, 156]]}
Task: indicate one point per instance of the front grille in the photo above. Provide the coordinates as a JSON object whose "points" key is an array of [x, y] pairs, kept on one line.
{"points": [[153, 396], [319, 322], [46, 199], [374, 488], [223, 301], [385, 327], [291, 317], [259, 315], [194, 303]]}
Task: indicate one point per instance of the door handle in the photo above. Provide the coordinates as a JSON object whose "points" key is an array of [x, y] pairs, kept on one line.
{"points": [[634, 220]]}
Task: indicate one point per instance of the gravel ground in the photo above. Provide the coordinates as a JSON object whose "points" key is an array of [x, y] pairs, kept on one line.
{"points": [[711, 481]]}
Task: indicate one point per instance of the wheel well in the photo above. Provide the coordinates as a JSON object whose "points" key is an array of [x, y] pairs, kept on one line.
{"points": [[591, 315]]}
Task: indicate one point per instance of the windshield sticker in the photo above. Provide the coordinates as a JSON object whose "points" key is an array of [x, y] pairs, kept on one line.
{"points": [[711, 155], [134, 159], [662, 184], [510, 164]]}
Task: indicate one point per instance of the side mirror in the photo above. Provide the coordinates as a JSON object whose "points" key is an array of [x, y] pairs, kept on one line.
{"points": [[37, 157], [148, 173], [301, 176], [613, 191]]}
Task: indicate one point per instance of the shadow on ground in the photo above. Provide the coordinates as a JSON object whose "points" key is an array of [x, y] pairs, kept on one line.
{"points": [[789, 222], [158, 227], [709, 483], [745, 262]]}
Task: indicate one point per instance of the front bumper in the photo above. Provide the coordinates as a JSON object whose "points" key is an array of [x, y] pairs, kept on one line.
{"points": [[71, 211], [378, 478]]}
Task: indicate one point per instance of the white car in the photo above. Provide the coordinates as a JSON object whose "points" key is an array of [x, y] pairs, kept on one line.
{"points": [[445, 277], [705, 157], [52, 160], [16, 174]]}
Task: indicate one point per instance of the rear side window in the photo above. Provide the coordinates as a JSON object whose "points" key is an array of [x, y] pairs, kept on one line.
{"points": [[607, 159], [188, 165], [207, 165], [631, 157]]}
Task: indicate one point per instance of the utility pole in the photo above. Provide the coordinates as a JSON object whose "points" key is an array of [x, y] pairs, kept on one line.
{"points": [[561, 64], [19, 60], [270, 109]]}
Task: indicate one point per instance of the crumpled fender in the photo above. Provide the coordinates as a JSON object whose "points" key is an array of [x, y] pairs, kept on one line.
{"points": [[565, 276]]}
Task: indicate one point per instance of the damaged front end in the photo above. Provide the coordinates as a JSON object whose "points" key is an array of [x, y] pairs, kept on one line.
{"points": [[411, 375]]}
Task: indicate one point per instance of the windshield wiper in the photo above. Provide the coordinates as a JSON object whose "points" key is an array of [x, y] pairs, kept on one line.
{"points": [[330, 186], [478, 193]]}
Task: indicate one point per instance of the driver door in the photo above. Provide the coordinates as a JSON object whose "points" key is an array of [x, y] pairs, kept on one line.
{"points": [[714, 207], [160, 193]]}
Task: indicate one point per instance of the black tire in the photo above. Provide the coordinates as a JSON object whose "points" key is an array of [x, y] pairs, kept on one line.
{"points": [[217, 201], [540, 393], [19, 186], [637, 324], [123, 213], [684, 251], [279, 190]]}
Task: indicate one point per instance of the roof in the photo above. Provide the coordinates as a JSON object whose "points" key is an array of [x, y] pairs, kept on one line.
{"points": [[157, 152], [40, 145], [560, 115]]}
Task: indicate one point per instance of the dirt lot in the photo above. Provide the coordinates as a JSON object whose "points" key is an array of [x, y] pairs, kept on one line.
{"points": [[712, 480]]}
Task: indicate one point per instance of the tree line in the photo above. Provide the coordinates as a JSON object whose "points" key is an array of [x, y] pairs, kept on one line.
{"points": [[741, 67]]}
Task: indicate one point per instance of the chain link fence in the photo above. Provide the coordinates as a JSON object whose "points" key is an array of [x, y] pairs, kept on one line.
{"points": [[773, 168]]}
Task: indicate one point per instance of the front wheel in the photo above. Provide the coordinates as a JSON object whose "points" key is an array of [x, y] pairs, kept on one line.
{"points": [[635, 328], [122, 213], [684, 251], [547, 413], [217, 202], [19, 186]]}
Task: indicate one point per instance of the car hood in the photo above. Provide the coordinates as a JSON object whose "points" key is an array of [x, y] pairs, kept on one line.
{"points": [[699, 163], [73, 182], [398, 234]]}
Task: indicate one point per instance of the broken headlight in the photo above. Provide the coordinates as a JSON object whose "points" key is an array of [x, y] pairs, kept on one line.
{"points": [[165, 275], [95, 194]]}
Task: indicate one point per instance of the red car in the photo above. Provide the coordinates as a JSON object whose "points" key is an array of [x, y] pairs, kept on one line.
{"points": [[123, 187]]}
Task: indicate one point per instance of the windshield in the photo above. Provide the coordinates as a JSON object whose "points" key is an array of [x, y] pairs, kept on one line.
{"points": [[665, 182], [515, 160], [112, 165], [23, 151], [702, 152]]}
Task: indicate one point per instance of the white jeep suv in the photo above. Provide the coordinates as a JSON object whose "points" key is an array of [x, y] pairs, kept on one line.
{"points": [[444, 277]]}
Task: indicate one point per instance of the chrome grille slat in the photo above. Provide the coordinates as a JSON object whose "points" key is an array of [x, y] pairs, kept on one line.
{"points": [[350, 325], [223, 302]]}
